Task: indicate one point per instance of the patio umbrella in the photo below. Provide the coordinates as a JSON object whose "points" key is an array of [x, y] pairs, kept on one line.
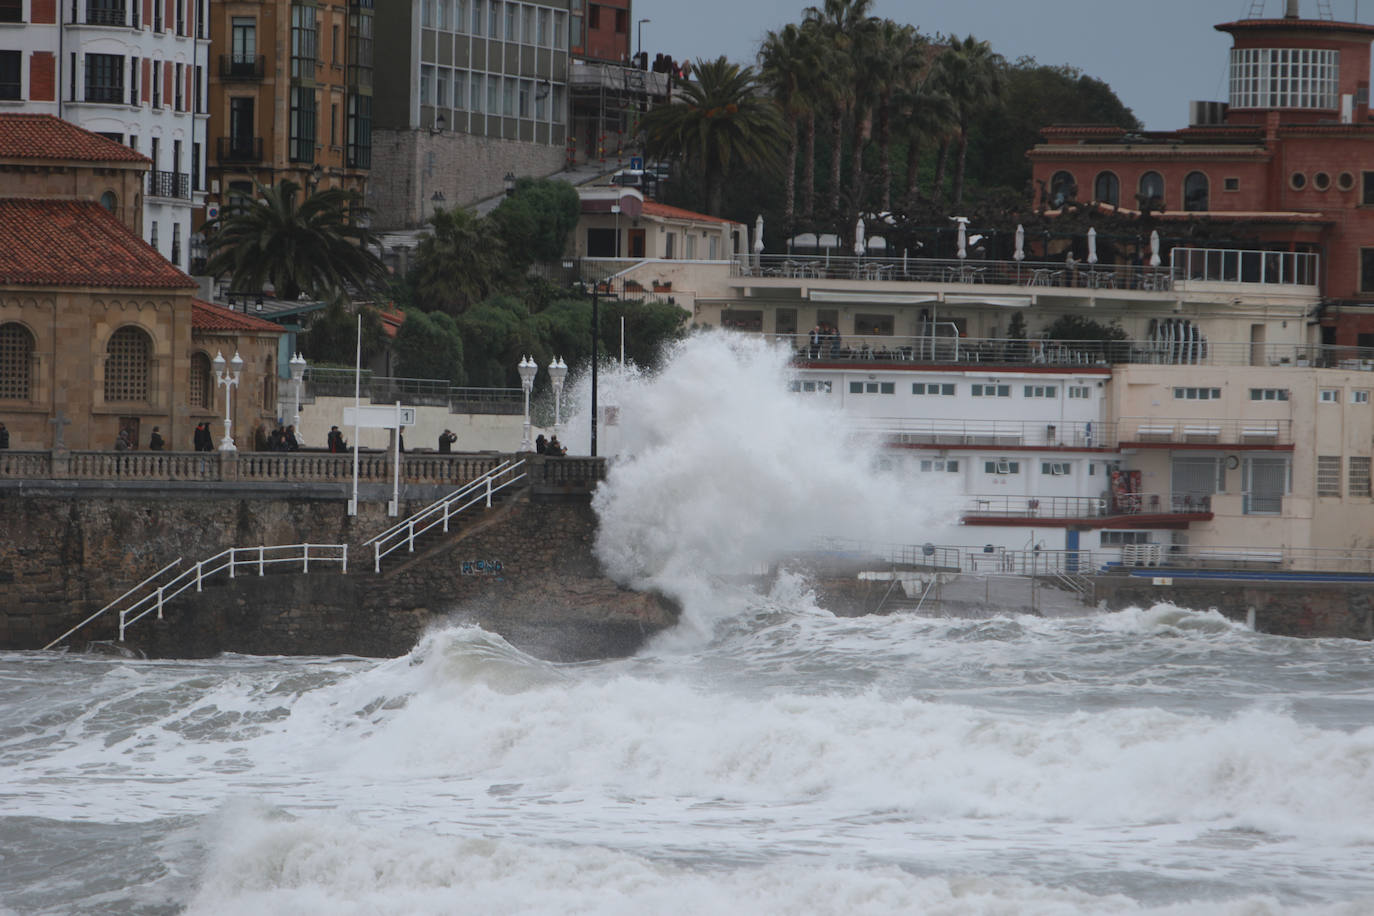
{"points": [[1020, 252], [1092, 245], [963, 235], [1154, 248], [758, 241], [859, 248]]}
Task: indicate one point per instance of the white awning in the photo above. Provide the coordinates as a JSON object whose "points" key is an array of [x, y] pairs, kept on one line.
{"points": [[1011, 302], [847, 296]]}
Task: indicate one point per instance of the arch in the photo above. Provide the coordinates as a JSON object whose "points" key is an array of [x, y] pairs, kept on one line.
{"points": [[16, 362], [128, 365], [1063, 189], [1196, 192], [201, 387], [1152, 190], [1107, 188]]}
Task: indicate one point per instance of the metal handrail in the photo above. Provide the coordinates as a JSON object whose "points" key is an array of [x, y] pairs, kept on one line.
{"points": [[441, 511], [140, 585]]}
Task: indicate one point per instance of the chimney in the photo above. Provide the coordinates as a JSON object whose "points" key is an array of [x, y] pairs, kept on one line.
{"points": [[1292, 10]]}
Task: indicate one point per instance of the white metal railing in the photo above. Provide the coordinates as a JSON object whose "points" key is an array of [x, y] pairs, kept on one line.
{"points": [[231, 560], [480, 490]]}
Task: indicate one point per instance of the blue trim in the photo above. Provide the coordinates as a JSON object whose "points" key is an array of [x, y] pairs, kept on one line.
{"points": [[1254, 575]]}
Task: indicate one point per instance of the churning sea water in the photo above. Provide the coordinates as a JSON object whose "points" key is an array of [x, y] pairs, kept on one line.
{"points": [[764, 757]]}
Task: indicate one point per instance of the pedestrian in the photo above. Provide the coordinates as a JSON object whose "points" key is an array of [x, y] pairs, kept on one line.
{"points": [[336, 441], [541, 445], [155, 441], [554, 448], [293, 444], [4, 436], [202, 440], [446, 440], [122, 442]]}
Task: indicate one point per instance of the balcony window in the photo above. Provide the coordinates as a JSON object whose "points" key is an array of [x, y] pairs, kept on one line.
{"points": [[302, 143], [1151, 190], [127, 362], [105, 78], [1264, 481], [1359, 477], [1195, 192], [1107, 188], [1063, 189], [243, 46], [359, 131], [11, 10], [106, 12], [11, 86], [16, 362], [303, 42]]}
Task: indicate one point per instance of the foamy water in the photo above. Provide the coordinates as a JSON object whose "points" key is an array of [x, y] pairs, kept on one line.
{"points": [[765, 758]]}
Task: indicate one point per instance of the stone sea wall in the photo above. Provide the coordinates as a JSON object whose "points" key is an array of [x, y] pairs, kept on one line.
{"points": [[524, 569]]}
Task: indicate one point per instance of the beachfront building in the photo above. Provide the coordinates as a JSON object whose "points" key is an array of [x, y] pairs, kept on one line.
{"points": [[472, 91], [131, 71], [290, 96]]}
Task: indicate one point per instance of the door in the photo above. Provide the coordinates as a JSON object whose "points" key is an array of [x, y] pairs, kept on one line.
{"points": [[1071, 550], [636, 240], [129, 425], [1257, 345]]}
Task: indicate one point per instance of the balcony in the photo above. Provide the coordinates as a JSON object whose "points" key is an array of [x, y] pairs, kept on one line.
{"points": [[239, 149], [1134, 510], [107, 15], [169, 184], [241, 67], [1203, 432]]}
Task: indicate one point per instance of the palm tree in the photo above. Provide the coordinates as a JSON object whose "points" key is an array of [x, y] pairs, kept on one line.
{"points": [[458, 263], [837, 22], [788, 63], [720, 120], [903, 60], [926, 113], [317, 247], [971, 75]]}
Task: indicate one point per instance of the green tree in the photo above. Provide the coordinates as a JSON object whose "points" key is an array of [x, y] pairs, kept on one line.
{"points": [[971, 75], [837, 22], [430, 346], [649, 327], [902, 53], [332, 334], [316, 246], [926, 113], [458, 263], [534, 223], [789, 62], [720, 121], [496, 334]]}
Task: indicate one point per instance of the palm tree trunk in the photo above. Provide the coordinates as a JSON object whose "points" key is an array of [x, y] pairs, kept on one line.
{"points": [[937, 189], [789, 204], [959, 163], [856, 162], [809, 175], [913, 167], [715, 191], [836, 133], [884, 148]]}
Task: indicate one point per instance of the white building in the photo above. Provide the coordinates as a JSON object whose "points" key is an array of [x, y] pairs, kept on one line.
{"points": [[130, 70]]}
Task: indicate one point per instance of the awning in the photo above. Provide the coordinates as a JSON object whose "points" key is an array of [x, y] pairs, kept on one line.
{"points": [[1011, 302], [853, 296]]}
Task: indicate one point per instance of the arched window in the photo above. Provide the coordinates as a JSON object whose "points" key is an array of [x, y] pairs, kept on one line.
{"points": [[16, 361], [1062, 189], [269, 384], [1107, 189], [1195, 192], [1152, 190], [202, 387], [109, 201], [127, 361]]}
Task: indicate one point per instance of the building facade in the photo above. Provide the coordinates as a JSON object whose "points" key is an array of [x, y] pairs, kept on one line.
{"points": [[130, 70], [290, 95], [472, 90]]}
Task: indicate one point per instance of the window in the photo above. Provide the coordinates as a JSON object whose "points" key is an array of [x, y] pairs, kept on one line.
{"points": [[593, 16], [10, 81], [359, 130], [542, 36], [948, 465], [126, 365], [508, 97], [526, 96], [819, 387], [104, 78], [1122, 538], [494, 95], [1264, 481], [991, 391], [441, 87], [1367, 270], [176, 244], [202, 385], [1062, 189], [1328, 475], [1001, 466], [302, 144], [560, 30], [427, 14], [938, 388], [460, 15], [179, 85], [16, 362], [1321, 181], [1055, 468], [1195, 192], [1107, 188], [1345, 181], [303, 42], [1230, 184], [1042, 391], [1297, 181], [1152, 189], [427, 85], [460, 88], [1329, 396], [872, 387], [1268, 394], [11, 10], [1284, 78], [1359, 396], [512, 22], [243, 45], [1367, 188], [1359, 477], [478, 7], [109, 201], [1197, 394], [475, 92], [494, 18], [1080, 392], [1195, 479]]}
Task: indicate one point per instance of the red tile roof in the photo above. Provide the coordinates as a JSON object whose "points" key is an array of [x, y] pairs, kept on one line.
{"points": [[653, 208], [77, 243], [206, 316], [40, 136]]}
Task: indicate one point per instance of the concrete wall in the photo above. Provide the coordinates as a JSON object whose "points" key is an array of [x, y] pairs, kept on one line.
{"points": [[410, 166]]}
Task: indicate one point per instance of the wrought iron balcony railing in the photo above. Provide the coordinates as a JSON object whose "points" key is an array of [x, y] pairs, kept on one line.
{"points": [[239, 149], [241, 66], [169, 184]]}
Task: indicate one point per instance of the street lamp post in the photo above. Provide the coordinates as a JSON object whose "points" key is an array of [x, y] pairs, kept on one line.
{"points": [[229, 380], [558, 371], [509, 183], [640, 30], [527, 368], [297, 365]]}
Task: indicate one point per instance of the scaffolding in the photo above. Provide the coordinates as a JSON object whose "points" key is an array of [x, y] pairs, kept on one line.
{"points": [[608, 101]]}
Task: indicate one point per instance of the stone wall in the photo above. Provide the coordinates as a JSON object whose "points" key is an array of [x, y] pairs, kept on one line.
{"points": [[524, 570], [410, 166]]}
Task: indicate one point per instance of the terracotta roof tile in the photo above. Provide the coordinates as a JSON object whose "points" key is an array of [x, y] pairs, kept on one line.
{"points": [[206, 316], [40, 136], [654, 208], [77, 243]]}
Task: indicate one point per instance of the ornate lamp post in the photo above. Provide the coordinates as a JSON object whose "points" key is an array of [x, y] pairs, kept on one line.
{"points": [[558, 371], [229, 380], [297, 365], [528, 367]]}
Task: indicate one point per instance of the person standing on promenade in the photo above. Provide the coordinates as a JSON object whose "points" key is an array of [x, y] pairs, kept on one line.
{"points": [[202, 439], [122, 443], [446, 440], [4, 436], [336, 440], [155, 442]]}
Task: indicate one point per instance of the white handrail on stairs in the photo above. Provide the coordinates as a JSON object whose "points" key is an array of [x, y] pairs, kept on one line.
{"points": [[440, 512], [155, 575]]}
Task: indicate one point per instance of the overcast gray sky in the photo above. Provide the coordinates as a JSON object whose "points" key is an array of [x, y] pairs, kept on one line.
{"points": [[1156, 54]]}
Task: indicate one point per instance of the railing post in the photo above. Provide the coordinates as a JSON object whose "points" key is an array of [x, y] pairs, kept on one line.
{"points": [[305, 563], [376, 556], [233, 555], [488, 491], [345, 558], [200, 568], [159, 602], [122, 616], [262, 550]]}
